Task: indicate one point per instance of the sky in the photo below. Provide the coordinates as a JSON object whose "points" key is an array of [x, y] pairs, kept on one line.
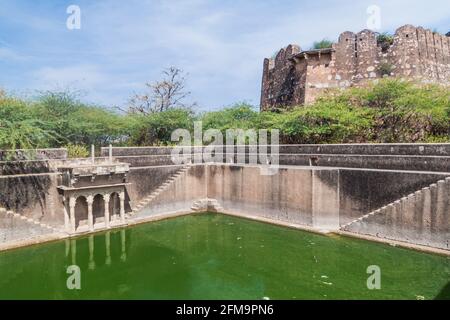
{"points": [[220, 44]]}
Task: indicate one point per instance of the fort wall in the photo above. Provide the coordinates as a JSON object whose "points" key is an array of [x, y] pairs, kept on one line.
{"points": [[298, 78]]}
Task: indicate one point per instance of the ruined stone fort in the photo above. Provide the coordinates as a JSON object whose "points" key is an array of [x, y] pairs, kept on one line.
{"points": [[296, 77]]}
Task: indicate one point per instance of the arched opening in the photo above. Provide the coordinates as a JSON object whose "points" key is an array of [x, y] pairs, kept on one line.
{"points": [[114, 206], [81, 211], [98, 208]]}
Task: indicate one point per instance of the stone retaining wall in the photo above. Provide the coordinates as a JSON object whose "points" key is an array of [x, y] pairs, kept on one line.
{"points": [[322, 197]]}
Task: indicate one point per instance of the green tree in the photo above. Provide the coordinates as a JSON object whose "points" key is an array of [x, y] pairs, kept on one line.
{"points": [[241, 115], [19, 129], [77, 122], [156, 128]]}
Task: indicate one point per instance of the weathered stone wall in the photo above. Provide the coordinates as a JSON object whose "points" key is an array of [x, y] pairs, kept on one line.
{"points": [[301, 194], [421, 217], [297, 196], [362, 191], [421, 54], [411, 149], [281, 80], [180, 195], [24, 167], [323, 198], [37, 154], [367, 55], [411, 157], [34, 196], [319, 76], [415, 54], [146, 180], [344, 58]]}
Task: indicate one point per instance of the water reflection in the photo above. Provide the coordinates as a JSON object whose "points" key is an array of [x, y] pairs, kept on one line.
{"points": [[96, 242], [91, 253], [444, 294]]}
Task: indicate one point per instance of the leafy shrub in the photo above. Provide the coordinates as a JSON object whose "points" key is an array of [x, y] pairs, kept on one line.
{"points": [[77, 151], [385, 68], [19, 129], [385, 40], [323, 44], [156, 128]]}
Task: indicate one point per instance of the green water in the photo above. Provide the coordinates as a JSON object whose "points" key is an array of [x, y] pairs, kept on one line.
{"points": [[212, 256]]}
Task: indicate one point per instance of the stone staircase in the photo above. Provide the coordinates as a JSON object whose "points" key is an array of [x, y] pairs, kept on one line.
{"points": [[149, 198], [12, 214], [207, 205], [437, 194]]}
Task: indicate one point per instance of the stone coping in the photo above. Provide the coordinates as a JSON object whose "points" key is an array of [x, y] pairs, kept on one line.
{"points": [[65, 188], [298, 145], [289, 154]]}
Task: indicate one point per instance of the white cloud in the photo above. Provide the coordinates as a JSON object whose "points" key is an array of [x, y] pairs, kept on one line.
{"points": [[81, 76]]}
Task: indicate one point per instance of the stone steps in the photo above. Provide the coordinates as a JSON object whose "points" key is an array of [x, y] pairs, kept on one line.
{"points": [[409, 203], [12, 214], [206, 205], [149, 198]]}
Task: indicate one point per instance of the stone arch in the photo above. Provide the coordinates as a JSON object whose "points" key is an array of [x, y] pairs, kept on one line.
{"points": [[98, 208], [81, 211], [114, 206]]}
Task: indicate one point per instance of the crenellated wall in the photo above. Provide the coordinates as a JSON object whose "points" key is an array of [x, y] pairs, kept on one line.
{"points": [[296, 78], [280, 75]]}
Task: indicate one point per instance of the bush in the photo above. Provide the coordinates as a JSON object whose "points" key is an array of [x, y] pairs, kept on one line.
{"points": [[77, 122], [385, 40], [403, 111], [155, 129], [323, 44], [77, 151], [241, 115], [19, 128], [385, 69]]}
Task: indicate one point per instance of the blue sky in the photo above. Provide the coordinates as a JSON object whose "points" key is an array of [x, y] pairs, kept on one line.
{"points": [[221, 44]]}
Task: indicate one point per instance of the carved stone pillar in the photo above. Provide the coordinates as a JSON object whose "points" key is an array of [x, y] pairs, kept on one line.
{"points": [[90, 201], [66, 216], [106, 199], [122, 206], [72, 202]]}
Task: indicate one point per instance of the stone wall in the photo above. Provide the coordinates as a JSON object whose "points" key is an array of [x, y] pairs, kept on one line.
{"points": [[295, 194], [322, 199], [33, 196], [420, 54], [318, 197], [411, 157], [296, 79], [320, 75], [37, 154], [411, 149], [146, 180], [179, 197], [421, 217], [281, 77]]}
